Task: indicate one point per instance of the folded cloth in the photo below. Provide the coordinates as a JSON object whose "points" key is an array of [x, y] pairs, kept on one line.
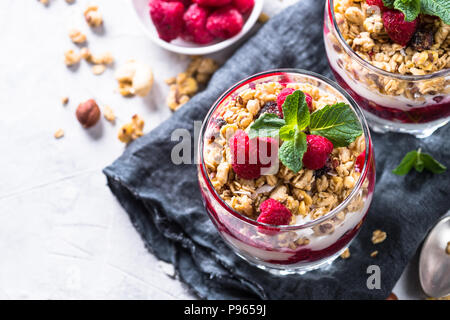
{"points": [[164, 203]]}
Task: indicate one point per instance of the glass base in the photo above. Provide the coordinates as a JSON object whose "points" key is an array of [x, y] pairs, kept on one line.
{"points": [[420, 130], [282, 270]]}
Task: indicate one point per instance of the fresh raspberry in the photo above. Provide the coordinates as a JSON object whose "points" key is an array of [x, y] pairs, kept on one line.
{"points": [[317, 153], [168, 18], [359, 164], [274, 212], [399, 30], [243, 6], [378, 3], [246, 160], [270, 107], [225, 22], [195, 24], [288, 91], [282, 97], [186, 3], [212, 3]]}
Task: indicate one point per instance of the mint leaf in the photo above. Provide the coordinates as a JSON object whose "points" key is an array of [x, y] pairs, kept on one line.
{"points": [[295, 110], [419, 161], [287, 132], [267, 125], [431, 164], [440, 8], [291, 151], [410, 8], [406, 164], [338, 123], [389, 3]]}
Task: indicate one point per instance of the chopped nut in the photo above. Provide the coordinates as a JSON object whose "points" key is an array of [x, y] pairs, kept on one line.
{"points": [[109, 115], [77, 36], [85, 53], [378, 236], [98, 69], [263, 18], [93, 16], [345, 254], [134, 78], [71, 58], [65, 100], [104, 58], [374, 254], [131, 131], [59, 134], [88, 113], [447, 249]]}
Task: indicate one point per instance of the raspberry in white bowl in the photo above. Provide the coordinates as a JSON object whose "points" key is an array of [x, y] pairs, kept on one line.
{"points": [[197, 27], [285, 191]]}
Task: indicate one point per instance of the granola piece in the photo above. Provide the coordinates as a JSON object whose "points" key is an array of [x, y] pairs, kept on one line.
{"points": [[59, 134], [355, 15], [85, 54], [98, 69], [186, 85], [109, 115], [44, 2], [71, 58], [263, 17], [93, 16], [378, 236], [77, 36], [133, 130], [374, 254], [65, 100], [134, 78], [103, 58], [345, 254], [70, 1]]}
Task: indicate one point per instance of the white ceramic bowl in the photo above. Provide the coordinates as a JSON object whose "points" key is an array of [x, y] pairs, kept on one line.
{"points": [[184, 47]]}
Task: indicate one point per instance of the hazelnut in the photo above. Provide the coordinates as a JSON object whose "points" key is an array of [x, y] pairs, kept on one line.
{"points": [[88, 113]]}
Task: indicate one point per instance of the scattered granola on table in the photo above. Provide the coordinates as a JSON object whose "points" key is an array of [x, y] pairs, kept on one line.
{"points": [[59, 134], [134, 78], [65, 100], [93, 16], [345, 254], [188, 83], [374, 254], [109, 115], [133, 130], [378, 236], [77, 36], [71, 58]]}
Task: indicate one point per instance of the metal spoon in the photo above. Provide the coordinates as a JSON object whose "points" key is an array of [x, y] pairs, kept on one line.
{"points": [[434, 263]]}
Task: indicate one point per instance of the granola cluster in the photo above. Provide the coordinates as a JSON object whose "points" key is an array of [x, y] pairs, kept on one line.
{"points": [[361, 26], [308, 194]]}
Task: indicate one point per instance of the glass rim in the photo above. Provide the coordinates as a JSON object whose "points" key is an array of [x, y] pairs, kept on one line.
{"points": [[275, 72], [366, 64]]}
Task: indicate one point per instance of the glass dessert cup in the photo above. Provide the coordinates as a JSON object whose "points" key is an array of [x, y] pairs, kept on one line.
{"points": [[289, 248], [414, 104]]}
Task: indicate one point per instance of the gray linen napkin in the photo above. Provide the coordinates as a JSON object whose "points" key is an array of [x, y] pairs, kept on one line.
{"points": [[164, 202]]}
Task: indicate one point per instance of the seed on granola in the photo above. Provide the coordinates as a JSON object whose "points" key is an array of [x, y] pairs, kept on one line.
{"points": [[423, 39], [378, 236], [269, 107], [374, 254], [345, 254]]}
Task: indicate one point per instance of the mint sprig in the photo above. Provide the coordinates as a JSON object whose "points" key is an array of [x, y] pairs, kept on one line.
{"points": [[337, 123], [419, 161], [412, 8]]}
